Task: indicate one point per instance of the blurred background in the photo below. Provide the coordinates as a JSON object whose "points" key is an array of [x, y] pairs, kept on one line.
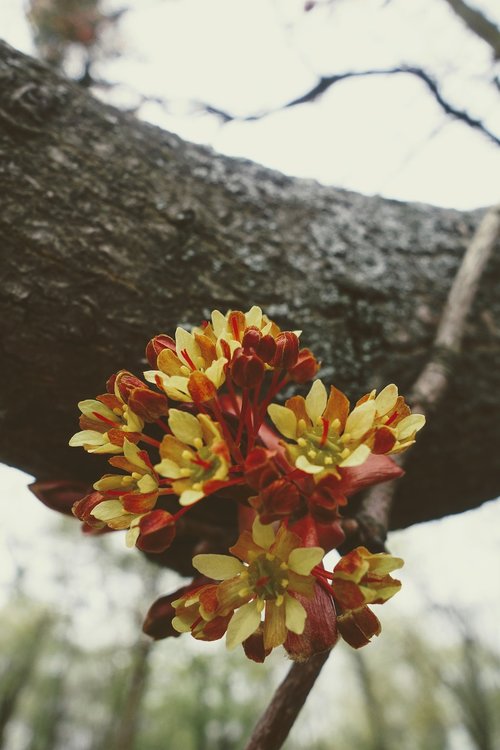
{"points": [[379, 96]]}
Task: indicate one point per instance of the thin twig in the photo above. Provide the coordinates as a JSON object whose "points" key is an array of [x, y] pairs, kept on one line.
{"points": [[429, 388], [274, 725]]}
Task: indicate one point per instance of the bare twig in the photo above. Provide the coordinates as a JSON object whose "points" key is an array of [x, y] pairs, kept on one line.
{"points": [[479, 24], [428, 389], [275, 723], [279, 717]]}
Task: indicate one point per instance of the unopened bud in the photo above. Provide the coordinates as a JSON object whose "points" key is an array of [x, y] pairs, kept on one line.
{"points": [[125, 383], [266, 348], [247, 370], [287, 350], [251, 338], [157, 531], [156, 345]]}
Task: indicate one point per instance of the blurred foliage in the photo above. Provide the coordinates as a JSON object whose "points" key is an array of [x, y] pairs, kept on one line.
{"points": [[63, 26]]}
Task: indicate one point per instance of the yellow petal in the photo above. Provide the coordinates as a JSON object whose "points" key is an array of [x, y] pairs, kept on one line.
{"points": [[263, 534], [316, 401], [303, 559], [219, 323], [295, 615], [215, 372], [147, 484], [243, 623], [131, 452], [107, 510], [188, 497], [180, 626], [169, 469], [410, 425], [284, 420], [87, 437], [185, 341], [386, 399], [304, 465], [90, 406], [360, 420], [254, 317], [185, 427], [357, 457], [218, 567]]}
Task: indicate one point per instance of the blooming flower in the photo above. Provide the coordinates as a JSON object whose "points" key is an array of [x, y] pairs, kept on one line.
{"points": [[131, 495], [179, 361], [327, 436], [271, 568], [361, 578], [106, 422], [195, 457]]}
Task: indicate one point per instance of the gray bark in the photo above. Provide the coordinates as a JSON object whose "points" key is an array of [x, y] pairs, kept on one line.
{"points": [[112, 230]]}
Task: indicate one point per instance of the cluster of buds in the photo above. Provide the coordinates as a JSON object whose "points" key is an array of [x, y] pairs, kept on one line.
{"points": [[286, 469]]}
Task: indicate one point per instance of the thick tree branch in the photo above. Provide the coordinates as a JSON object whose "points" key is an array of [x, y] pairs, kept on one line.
{"points": [[112, 231], [430, 386], [479, 24]]}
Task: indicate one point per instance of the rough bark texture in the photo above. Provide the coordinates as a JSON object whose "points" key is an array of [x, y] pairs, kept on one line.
{"points": [[112, 230]]}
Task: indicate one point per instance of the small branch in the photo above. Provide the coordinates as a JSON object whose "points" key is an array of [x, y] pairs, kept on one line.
{"points": [[479, 24], [275, 723], [429, 388], [326, 82]]}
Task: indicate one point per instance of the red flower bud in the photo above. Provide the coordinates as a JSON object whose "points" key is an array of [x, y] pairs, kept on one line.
{"points": [[326, 499], [148, 405], [306, 368], [157, 531], [287, 350], [83, 508], [247, 370], [357, 626], [266, 348], [156, 345], [158, 622], [320, 631], [251, 338]]}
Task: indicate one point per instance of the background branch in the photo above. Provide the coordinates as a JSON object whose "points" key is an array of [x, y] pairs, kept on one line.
{"points": [[479, 24]]}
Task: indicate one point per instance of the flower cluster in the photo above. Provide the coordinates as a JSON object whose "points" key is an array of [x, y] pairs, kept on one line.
{"points": [[206, 428]]}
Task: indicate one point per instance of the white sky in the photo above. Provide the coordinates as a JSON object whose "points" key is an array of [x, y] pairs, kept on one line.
{"points": [[379, 135]]}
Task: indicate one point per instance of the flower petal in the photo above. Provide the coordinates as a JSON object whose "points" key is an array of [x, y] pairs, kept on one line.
{"points": [[188, 497], [185, 427], [360, 420], [263, 534], [386, 399], [243, 623], [410, 425], [304, 465], [218, 567], [316, 401], [295, 615], [357, 457], [303, 559], [284, 420]]}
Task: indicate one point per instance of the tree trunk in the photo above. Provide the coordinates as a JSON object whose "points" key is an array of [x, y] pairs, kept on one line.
{"points": [[112, 230]]}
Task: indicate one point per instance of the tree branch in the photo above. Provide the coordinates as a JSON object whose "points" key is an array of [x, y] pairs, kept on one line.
{"points": [[276, 722], [431, 384], [479, 24], [326, 82]]}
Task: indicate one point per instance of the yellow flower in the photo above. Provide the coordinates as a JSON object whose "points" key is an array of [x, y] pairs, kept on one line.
{"points": [[130, 496], [195, 457], [326, 435], [361, 578], [395, 426], [106, 421], [194, 353], [260, 584]]}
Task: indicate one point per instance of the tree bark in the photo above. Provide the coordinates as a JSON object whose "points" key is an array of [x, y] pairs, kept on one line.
{"points": [[112, 230]]}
